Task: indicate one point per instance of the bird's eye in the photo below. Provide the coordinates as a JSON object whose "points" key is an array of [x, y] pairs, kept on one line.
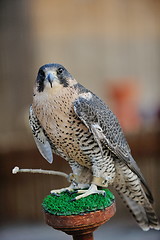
{"points": [[60, 70]]}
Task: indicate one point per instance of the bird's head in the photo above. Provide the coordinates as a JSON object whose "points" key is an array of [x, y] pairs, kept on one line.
{"points": [[52, 78]]}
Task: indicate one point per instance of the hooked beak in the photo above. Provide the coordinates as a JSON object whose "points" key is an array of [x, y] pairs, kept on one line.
{"points": [[50, 77]]}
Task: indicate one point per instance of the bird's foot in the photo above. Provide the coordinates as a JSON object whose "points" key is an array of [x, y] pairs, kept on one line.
{"points": [[67, 189], [71, 189], [92, 190]]}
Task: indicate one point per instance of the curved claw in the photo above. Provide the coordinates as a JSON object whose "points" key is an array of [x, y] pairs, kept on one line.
{"points": [[55, 194], [72, 200], [75, 191], [104, 194]]}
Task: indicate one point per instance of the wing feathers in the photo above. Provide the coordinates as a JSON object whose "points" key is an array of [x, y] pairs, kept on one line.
{"points": [[106, 130], [40, 139]]}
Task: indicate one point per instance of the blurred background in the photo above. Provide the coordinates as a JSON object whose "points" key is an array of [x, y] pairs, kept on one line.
{"points": [[112, 48]]}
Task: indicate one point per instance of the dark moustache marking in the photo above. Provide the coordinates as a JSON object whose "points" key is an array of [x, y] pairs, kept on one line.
{"points": [[40, 80], [40, 88], [63, 81]]}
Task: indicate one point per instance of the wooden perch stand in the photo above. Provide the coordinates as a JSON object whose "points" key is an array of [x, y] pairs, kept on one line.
{"points": [[78, 220], [81, 227]]}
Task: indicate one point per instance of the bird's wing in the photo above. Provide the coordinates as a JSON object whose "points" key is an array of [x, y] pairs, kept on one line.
{"points": [[39, 136], [106, 129]]}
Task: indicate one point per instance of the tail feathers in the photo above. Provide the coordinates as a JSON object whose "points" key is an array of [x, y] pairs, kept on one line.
{"points": [[153, 221], [128, 185], [143, 214]]}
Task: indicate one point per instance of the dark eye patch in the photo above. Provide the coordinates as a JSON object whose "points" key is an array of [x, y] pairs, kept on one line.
{"points": [[62, 75]]}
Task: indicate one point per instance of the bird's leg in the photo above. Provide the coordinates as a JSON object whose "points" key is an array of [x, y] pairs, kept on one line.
{"points": [[73, 186], [80, 179], [92, 190], [96, 181]]}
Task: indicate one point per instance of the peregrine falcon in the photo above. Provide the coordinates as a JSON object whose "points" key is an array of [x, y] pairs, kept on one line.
{"points": [[69, 120]]}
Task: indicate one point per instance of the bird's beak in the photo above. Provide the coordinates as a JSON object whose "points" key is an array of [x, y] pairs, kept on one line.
{"points": [[50, 77]]}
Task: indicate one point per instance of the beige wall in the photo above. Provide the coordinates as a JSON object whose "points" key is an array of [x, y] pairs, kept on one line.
{"points": [[95, 39], [99, 39]]}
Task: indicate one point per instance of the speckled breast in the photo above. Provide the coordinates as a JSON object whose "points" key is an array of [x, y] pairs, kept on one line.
{"points": [[62, 126]]}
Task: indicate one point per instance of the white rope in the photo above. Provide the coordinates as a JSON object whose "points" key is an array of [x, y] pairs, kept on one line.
{"points": [[16, 170]]}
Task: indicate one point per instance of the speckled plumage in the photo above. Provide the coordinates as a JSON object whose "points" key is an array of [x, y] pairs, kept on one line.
{"points": [[74, 123]]}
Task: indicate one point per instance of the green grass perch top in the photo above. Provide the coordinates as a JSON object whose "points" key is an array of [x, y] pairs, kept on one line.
{"points": [[62, 204]]}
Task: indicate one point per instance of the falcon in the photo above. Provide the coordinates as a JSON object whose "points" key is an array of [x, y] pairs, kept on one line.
{"points": [[69, 120]]}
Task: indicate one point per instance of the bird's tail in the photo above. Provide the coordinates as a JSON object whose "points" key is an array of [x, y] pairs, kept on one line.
{"points": [[130, 190], [143, 214]]}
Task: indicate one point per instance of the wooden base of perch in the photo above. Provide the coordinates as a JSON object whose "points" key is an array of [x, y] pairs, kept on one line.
{"points": [[81, 227]]}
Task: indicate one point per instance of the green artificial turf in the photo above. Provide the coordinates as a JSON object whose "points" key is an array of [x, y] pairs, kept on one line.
{"points": [[62, 204]]}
